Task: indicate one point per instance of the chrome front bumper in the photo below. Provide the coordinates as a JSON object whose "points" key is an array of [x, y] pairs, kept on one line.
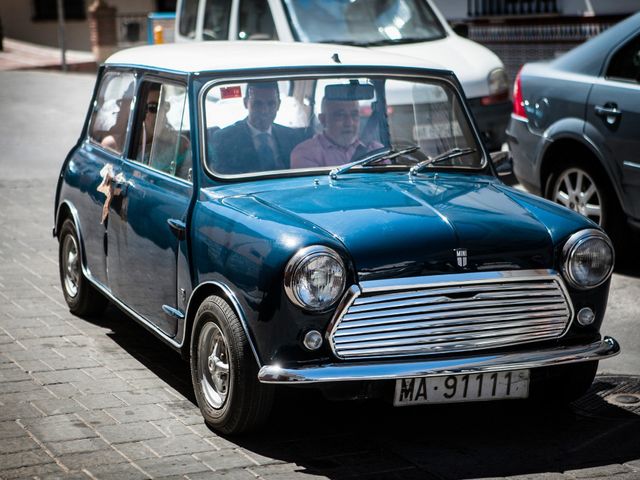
{"points": [[343, 372]]}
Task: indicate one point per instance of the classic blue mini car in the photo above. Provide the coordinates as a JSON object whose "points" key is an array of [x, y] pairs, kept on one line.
{"points": [[328, 216]]}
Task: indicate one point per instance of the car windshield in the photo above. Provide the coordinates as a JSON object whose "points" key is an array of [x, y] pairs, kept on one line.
{"points": [[312, 123], [363, 22]]}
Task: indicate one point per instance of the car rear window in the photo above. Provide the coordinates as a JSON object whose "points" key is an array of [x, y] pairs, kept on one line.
{"points": [[111, 110]]}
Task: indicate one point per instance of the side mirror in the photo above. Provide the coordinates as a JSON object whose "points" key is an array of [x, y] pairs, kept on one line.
{"points": [[461, 29], [503, 163]]}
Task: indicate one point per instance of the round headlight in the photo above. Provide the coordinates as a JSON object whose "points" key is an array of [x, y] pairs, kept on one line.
{"points": [[314, 278], [588, 259]]}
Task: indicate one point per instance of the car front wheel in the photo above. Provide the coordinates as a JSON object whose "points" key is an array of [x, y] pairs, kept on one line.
{"points": [[82, 298], [224, 371], [579, 188]]}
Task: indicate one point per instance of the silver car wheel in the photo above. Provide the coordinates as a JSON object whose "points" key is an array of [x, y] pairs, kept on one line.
{"points": [[71, 266], [575, 189], [213, 364]]}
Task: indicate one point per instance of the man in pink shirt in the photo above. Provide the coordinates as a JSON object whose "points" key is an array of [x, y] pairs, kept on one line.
{"points": [[338, 143]]}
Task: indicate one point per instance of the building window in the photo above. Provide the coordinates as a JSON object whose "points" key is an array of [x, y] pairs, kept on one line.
{"points": [[483, 8], [48, 10], [166, 5]]}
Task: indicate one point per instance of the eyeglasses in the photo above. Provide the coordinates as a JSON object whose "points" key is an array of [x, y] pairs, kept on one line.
{"points": [[152, 108]]}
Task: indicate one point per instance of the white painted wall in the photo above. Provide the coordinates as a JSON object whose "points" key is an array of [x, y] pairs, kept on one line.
{"points": [[17, 23]]}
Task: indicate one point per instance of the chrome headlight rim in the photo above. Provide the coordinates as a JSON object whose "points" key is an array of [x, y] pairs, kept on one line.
{"points": [[570, 248], [299, 258]]}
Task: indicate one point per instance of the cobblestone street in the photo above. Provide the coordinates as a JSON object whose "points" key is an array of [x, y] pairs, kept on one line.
{"points": [[103, 398]]}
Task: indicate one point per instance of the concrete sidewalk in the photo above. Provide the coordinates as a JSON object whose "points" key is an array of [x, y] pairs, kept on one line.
{"points": [[18, 55]]}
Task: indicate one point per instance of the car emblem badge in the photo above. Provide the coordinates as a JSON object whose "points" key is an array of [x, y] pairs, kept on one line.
{"points": [[461, 256]]}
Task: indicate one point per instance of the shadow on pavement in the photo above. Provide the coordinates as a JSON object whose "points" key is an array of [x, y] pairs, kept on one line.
{"points": [[374, 440], [448, 442], [627, 254], [142, 345]]}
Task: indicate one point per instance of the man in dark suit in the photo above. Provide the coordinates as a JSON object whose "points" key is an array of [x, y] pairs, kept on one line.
{"points": [[254, 144]]}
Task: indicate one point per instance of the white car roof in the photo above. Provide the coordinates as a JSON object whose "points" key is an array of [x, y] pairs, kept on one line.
{"points": [[214, 55]]}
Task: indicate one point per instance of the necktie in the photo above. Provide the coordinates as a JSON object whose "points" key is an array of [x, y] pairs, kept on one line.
{"points": [[265, 154]]}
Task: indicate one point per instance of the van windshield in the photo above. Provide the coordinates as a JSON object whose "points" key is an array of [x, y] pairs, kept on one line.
{"points": [[363, 22]]}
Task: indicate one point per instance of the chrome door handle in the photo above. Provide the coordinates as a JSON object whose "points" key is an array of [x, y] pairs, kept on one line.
{"points": [[178, 227], [609, 111]]}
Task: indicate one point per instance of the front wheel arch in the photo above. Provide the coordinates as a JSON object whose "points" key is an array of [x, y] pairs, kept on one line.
{"points": [[567, 153], [199, 295], [563, 149]]}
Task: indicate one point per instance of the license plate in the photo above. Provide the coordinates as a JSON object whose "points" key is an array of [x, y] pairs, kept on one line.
{"points": [[473, 387]]}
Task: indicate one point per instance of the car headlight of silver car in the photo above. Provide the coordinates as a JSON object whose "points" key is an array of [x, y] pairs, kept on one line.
{"points": [[498, 81], [588, 259], [315, 278]]}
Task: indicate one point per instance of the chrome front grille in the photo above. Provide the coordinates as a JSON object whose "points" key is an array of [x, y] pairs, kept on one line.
{"points": [[450, 313]]}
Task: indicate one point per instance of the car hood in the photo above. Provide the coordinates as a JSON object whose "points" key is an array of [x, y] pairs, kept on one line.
{"points": [[470, 61], [391, 225]]}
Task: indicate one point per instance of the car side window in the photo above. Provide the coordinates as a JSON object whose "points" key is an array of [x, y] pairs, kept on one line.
{"points": [[625, 64], [216, 20], [188, 18], [256, 22], [162, 140], [111, 110]]}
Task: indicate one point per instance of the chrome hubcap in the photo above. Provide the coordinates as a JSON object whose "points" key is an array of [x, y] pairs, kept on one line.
{"points": [[576, 190], [70, 265], [213, 365]]}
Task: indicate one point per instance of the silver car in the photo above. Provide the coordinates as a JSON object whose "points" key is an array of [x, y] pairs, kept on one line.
{"points": [[575, 130]]}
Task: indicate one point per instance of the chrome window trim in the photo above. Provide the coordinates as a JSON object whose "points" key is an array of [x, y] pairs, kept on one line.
{"points": [[385, 70], [569, 249], [134, 164], [629, 164], [294, 262], [389, 286]]}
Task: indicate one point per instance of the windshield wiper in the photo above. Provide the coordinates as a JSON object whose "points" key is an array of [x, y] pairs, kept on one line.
{"points": [[448, 155], [387, 154], [398, 41], [351, 43]]}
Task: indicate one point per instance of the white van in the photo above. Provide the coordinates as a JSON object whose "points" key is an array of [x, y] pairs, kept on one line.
{"points": [[408, 27]]}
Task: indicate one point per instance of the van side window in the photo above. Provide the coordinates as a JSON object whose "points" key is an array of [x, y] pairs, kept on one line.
{"points": [[111, 110], [216, 20], [625, 64], [256, 22], [188, 18], [162, 140]]}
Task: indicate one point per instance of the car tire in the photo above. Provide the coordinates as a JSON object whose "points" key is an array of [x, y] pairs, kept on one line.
{"points": [[584, 189], [81, 296], [224, 371], [565, 383]]}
